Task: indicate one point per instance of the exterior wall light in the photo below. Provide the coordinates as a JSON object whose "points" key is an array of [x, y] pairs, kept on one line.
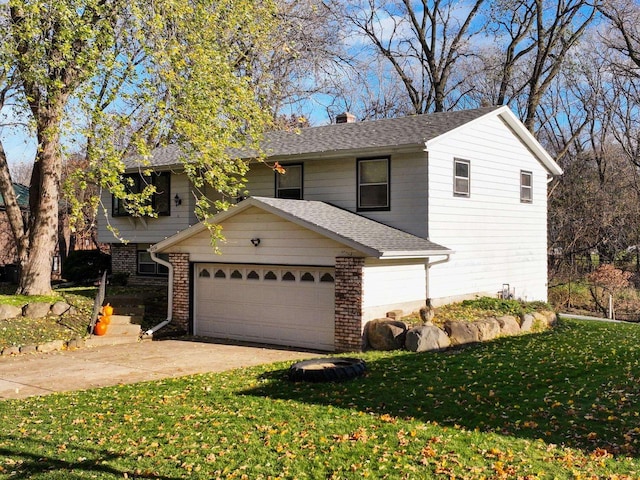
{"points": [[255, 241]]}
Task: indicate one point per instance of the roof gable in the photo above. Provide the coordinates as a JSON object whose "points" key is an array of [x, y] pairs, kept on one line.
{"points": [[372, 238]]}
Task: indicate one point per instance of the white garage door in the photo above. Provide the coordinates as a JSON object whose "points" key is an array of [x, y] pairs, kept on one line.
{"points": [[291, 306]]}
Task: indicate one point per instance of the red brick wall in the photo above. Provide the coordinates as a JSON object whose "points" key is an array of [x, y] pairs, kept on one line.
{"points": [[348, 304], [180, 262], [124, 258]]}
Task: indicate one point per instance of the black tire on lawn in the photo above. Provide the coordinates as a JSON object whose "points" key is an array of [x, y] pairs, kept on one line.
{"points": [[326, 369]]}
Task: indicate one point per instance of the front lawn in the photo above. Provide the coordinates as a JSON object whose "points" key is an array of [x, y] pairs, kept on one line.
{"points": [[560, 404]]}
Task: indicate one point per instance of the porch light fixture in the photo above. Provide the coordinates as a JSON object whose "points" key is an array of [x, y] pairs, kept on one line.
{"points": [[255, 241], [177, 200]]}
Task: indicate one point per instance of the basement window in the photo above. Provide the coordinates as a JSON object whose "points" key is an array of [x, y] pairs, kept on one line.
{"points": [[146, 265]]}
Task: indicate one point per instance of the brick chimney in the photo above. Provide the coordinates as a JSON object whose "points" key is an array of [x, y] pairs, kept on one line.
{"points": [[346, 117]]}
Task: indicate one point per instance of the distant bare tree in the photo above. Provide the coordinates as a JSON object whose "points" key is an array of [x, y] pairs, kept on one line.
{"points": [[422, 41]]}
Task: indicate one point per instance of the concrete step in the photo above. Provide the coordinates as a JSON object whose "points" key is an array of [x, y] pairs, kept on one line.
{"points": [[123, 329], [125, 319], [96, 341]]}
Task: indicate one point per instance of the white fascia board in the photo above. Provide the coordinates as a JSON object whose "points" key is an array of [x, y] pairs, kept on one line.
{"points": [[415, 254]]}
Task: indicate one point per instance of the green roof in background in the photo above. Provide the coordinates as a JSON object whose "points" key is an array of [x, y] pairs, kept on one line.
{"points": [[22, 193]]}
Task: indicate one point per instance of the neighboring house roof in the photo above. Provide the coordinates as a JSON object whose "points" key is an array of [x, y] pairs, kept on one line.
{"points": [[363, 234], [411, 132], [22, 196]]}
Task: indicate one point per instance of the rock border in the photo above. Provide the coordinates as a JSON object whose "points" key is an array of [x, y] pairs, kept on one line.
{"points": [[392, 334], [47, 347], [39, 310]]}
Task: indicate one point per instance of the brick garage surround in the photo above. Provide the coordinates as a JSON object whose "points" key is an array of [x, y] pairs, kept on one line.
{"points": [[348, 303], [180, 262], [124, 258]]}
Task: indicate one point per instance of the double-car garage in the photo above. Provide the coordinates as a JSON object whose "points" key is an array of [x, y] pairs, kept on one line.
{"points": [[281, 305]]}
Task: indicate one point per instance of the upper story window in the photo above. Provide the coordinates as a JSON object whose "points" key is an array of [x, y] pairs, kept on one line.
{"points": [[526, 187], [289, 184], [160, 200], [461, 178], [373, 184]]}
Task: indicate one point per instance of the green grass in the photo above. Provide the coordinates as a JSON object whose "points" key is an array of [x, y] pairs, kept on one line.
{"points": [[560, 404]]}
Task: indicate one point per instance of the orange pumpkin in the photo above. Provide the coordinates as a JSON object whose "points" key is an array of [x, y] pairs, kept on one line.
{"points": [[106, 319], [107, 310], [100, 328]]}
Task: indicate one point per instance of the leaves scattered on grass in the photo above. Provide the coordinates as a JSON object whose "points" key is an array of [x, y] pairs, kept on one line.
{"points": [[562, 404]]}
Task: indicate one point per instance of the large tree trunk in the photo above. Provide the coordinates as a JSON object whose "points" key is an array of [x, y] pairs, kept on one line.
{"points": [[35, 268]]}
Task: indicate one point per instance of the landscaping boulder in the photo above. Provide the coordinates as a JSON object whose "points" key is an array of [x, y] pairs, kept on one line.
{"points": [[461, 333], [508, 325], [51, 346], [36, 310], [488, 329], [527, 322], [60, 308], [9, 311], [385, 334], [426, 338], [550, 318]]}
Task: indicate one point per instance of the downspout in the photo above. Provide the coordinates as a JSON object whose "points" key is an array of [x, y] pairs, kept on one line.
{"points": [[428, 265], [165, 322]]}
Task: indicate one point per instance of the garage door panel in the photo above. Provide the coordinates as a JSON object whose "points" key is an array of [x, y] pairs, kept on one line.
{"points": [[263, 306]]}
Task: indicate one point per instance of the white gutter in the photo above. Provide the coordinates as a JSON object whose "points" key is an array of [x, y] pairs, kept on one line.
{"points": [[165, 322], [428, 265]]}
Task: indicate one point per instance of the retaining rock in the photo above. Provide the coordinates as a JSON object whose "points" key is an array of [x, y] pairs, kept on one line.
{"points": [[60, 308], [488, 329], [462, 333], [509, 325], [527, 323], [385, 334], [36, 310], [51, 346], [28, 349], [426, 338], [9, 311], [10, 351]]}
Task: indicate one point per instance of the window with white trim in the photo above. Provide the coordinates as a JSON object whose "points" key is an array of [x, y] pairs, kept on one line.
{"points": [[461, 177], [373, 184], [526, 187]]}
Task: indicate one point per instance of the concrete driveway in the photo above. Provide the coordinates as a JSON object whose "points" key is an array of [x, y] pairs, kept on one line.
{"points": [[41, 374]]}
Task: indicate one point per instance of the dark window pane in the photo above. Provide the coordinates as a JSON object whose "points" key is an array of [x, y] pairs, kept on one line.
{"points": [[236, 274], [373, 196], [220, 274], [307, 277], [205, 273], [270, 276], [290, 193], [253, 275], [288, 277], [462, 169]]}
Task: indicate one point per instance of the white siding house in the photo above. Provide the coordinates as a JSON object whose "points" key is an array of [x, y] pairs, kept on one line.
{"points": [[370, 217]]}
